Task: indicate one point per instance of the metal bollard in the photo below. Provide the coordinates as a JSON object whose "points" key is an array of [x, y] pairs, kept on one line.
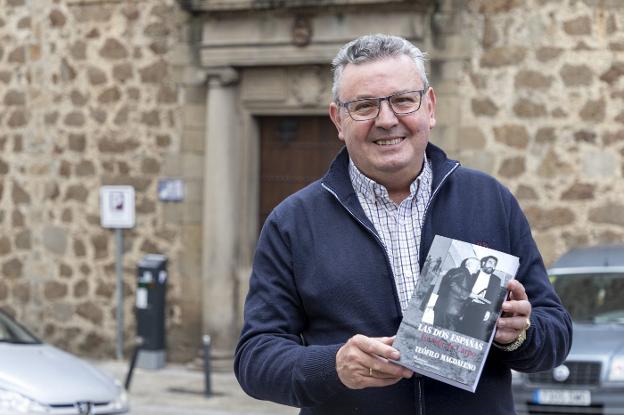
{"points": [[135, 354], [207, 369]]}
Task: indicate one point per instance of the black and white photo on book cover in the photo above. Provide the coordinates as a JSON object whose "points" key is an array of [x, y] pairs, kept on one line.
{"points": [[448, 326]]}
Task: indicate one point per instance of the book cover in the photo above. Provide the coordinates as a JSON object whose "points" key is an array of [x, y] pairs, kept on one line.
{"points": [[448, 326]]}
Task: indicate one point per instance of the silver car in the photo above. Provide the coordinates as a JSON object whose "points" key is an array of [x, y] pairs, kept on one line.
{"points": [[36, 378], [590, 282]]}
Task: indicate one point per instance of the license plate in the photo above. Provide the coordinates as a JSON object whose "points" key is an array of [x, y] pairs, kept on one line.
{"points": [[562, 397]]}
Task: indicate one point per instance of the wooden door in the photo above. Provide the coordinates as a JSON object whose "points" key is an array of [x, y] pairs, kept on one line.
{"points": [[294, 151]]}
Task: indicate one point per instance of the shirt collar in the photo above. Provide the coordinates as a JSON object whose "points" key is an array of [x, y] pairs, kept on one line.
{"points": [[372, 190]]}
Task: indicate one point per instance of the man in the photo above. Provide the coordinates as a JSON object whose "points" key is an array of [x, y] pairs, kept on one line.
{"points": [[336, 263], [453, 293], [478, 314]]}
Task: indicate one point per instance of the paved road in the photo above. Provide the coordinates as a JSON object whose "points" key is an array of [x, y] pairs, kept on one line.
{"points": [[178, 390]]}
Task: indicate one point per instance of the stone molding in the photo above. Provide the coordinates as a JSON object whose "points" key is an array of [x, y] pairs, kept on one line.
{"points": [[265, 39], [238, 5], [91, 2], [294, 89]]}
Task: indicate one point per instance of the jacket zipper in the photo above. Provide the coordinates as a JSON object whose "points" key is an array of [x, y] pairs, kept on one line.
{"points": [[433, 195], [419, 380], [421, 392]]}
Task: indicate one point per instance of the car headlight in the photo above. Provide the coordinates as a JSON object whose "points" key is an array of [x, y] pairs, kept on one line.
{"points": [[15, 403], [121, 402], [616, 371]]}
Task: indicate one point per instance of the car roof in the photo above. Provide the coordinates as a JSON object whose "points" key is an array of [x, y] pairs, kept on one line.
{"points": [[599, 258]]}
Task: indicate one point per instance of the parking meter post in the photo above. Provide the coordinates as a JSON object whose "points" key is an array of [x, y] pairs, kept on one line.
{"points": [[133, 359], [119, 290], [207, 368]]}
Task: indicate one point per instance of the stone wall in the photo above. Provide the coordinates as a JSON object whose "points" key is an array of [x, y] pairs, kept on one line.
{"points": [[543, 112], [99, 92], [87, 98]]}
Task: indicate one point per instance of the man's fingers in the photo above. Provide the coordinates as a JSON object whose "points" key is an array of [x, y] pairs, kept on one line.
{"points": [[377, 346], [517, 290], [363, 362], [515, 307], [384, 369]]}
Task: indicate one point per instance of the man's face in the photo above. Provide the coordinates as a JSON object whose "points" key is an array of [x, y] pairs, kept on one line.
{"points": [[489, 266], [472, 265], [387, 147]]}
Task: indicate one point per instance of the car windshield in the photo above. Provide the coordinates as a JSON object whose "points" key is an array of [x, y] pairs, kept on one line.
{"points": [[592, 298], [11, 332]]}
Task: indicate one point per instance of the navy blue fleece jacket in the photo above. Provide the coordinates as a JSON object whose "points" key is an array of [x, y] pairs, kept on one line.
{"points": [[321, 275]]}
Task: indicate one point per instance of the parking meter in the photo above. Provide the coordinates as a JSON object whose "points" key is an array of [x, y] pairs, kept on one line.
{"points": [[150, 310]]}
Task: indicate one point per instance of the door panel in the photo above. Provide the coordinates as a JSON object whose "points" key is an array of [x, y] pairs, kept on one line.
{"points": [[294, 151]]}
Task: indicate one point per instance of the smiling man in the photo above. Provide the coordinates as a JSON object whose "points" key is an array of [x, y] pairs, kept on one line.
{"points": [[337, 262]]}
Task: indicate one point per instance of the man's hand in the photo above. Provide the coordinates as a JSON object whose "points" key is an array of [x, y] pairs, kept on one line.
{"points": [[363, 362], [516, 314]]}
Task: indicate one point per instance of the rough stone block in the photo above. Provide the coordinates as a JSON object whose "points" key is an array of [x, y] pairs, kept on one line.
{"points": [[579, 191], [21, 292], [547, 218], [611, 213], [19, 195], [512, 135], [512, 167], [532, 80], [12, 269], [90, 312], [154, 73], [548, 53], [525, 192], [96, 76], [81, 288], [77, 192], [109, 95], [576, 75], [54, 239], [23, 240], [14, 98], [525, 108], [54, 290], [578, 26], [613, 73], [57, 18], [585, 136], [484, 107], [594, 110], [74, 119], [503, 56]]}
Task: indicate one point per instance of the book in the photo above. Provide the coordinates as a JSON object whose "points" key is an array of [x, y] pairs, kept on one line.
{"points": [[448, 325]]}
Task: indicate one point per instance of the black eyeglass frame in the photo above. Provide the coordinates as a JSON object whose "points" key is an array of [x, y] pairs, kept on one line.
{"points": [[379, 100]]}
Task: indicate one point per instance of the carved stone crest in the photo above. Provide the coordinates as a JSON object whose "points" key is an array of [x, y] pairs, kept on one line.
{"points": [[301, 31], [308, 86]]}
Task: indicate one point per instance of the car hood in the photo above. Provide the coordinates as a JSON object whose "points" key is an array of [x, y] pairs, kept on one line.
{"points": [[51, 376], [603, 340]]}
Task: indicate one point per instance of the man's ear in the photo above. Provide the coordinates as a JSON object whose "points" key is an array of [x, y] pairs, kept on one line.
{"points": [[431, 104], [336, 117]]}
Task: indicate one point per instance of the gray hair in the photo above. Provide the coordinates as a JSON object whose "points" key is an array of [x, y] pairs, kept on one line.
{"points": [[370, 48]]}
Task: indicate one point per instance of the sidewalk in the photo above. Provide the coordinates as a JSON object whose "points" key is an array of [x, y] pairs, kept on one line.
{"points": [[179, 390]]}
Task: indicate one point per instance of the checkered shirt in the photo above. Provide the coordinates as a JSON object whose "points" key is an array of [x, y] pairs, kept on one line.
{"points": [[399, 226]]}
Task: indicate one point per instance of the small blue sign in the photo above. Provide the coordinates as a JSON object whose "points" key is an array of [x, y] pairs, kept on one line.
{"points": [[171, 190]]}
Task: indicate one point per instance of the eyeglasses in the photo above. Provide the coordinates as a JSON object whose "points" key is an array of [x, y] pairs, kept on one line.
{"points": [[402, 103]]}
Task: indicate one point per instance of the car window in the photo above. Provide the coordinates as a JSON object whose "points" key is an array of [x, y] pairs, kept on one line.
{"points": [[11, 332], [592, 298]]}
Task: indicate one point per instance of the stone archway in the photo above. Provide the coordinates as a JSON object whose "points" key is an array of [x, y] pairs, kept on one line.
{"points": [[265, 60]]}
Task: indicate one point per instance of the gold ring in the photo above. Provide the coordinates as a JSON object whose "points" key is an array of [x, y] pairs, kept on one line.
{"points": [[528, 324], [370, 372]]}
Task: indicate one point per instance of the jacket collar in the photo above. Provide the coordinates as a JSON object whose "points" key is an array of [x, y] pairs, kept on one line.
{"points": [[337, 177]]}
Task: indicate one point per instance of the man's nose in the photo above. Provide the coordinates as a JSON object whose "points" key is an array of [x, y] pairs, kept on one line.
{"points": [[387, 117]]}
